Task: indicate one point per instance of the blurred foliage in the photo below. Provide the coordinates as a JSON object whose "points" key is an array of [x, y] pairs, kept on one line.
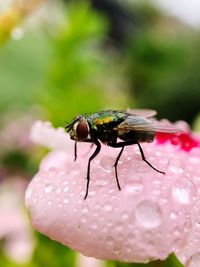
{"points": [[171, 261], [23, 64], [163, 65], [47, 253], [80, 77]]}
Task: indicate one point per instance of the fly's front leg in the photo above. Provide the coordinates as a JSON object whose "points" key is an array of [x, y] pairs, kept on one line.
{"points": [[75, 151], [97, 150]]}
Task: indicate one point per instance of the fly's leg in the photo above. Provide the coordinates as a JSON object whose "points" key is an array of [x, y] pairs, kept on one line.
{"points": [[144, 159], [75, 151], [115, 165], [122, 145], [97, 150]]}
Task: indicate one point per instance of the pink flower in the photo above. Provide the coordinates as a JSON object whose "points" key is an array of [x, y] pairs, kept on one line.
{"points": [[14, 133], [14, 228], [151, 217]]}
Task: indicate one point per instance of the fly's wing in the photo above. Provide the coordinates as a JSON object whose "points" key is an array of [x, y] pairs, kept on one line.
{"points": [[145, 113], [140, 124]]}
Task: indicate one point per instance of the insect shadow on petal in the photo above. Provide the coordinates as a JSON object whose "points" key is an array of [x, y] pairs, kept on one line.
{"points": [[116, 129]]}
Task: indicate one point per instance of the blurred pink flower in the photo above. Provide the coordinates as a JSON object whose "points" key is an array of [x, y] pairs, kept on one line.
{"points": [[14, 228], [15, 131], [152, 216], [83, 261]]}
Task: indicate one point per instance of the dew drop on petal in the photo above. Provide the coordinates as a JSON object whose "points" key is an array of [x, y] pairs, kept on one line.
{"points": [[173, 215], [83, 219], [148, 214], [125, 216], [109, 241], [183, 191], [94, 225], [92, 193], [117, 251], [106, 163], [85, 210], [134, 188], [29, 192], [194, 261], [58, 190], [66, 188], [108, 207], [101, 182], [65, 201], [49, 202], [48, 188], [176, 165]]}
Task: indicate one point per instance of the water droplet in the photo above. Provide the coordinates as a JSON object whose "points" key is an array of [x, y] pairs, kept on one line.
{"points": [[173, 215], [148, 214], [125, 216], [176, 165], [183, 191], [97, 206], [58, 190], [92, 193], [106, 163], [131, 239], [108, 207], [194, 261], [65, 200], [66, 188], [101, 182], [48, 188], [128, 249], [17, 33], [83, 219], [119, 228], [94, 225], [85, 210], [29, 192], [49, 202], [134, 188], [109, 241], [117, 251]]}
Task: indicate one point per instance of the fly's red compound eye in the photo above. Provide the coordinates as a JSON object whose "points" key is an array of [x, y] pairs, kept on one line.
{"points": [[82, 130]]}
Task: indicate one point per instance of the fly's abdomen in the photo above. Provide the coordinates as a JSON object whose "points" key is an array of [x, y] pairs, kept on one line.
{"points": [[138, 136]]}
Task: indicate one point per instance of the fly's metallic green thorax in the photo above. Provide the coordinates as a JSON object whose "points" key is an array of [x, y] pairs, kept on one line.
{"points": [[116, 129], [102, 124]]}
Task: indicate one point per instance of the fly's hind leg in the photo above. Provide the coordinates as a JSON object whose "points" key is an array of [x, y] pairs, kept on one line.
{"points": [[122, 145], [144, 159]]}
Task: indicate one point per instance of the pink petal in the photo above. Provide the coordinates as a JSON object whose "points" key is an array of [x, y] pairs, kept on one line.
{"points": [[148, 219]]}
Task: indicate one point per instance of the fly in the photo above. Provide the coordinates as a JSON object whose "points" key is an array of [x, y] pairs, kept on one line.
{"points": [[116, 129]]}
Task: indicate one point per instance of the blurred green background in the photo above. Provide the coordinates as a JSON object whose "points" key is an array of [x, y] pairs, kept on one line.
{"points": [[71, 57]]}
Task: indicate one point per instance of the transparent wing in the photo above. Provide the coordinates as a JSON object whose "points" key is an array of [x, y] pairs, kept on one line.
{"points": [[140, 124], [146, 113]]}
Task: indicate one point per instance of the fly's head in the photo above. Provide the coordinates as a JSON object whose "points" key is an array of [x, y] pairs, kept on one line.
{"points": [[78, 129]]}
